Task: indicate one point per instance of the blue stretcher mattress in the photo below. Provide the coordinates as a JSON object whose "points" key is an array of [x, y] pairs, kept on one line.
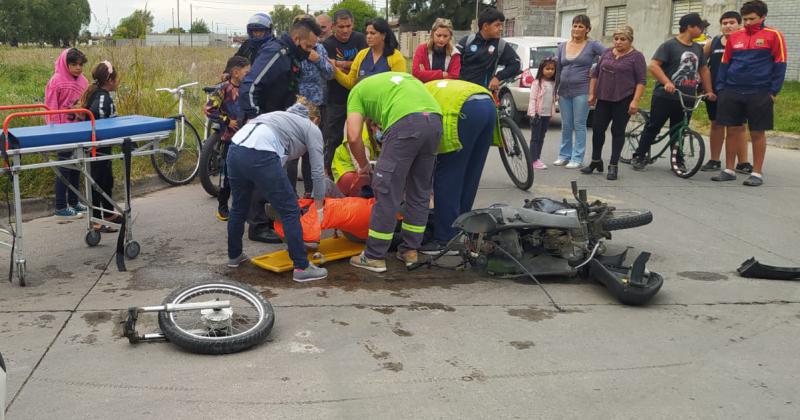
{"points": [[105, 129]]}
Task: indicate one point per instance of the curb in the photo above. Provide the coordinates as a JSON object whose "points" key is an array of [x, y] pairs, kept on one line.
{"points": [[783, 140], [34, 208]]}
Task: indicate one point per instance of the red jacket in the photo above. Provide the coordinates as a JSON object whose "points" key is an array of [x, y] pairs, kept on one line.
{"points": [[424, 57]]}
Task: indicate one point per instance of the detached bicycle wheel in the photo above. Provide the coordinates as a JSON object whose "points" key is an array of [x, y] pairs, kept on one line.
{"points": [[212, 165], [515, 154], [633, 131], [687, 154], [178, 158], [246, 323]]}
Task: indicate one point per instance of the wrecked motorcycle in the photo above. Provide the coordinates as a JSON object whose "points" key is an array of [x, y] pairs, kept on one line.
{"points": [[555, 238]]}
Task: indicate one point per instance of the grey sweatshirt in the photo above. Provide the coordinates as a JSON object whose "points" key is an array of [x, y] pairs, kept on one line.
{"points": [[297, 135]]}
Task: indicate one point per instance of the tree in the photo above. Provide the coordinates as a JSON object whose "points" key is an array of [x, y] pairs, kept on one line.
{"points": [[199, 27], [283, 16], [422, 13], [57, 22], [175, 31], [361, 10], [136, 25]]}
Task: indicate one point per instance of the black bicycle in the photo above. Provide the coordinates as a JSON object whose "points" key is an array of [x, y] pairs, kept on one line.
{"points": [[514, 151]]}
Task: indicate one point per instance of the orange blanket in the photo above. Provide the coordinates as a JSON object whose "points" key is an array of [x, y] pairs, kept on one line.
{"points": [[349, 214]]}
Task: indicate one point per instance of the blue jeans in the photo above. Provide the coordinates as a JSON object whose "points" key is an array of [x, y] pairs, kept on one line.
{"points": [[248, 169], [574, 112], [458, 174]]}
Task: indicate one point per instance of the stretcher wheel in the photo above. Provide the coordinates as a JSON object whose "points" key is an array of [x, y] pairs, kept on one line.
{"points": [[92, 237], [132, 250], [21, 273]]}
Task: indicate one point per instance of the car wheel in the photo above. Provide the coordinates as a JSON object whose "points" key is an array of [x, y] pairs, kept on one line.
{"points": [[510, 107]]}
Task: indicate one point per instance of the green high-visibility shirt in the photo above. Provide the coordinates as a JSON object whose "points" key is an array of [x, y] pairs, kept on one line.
{"points": [[387, 97]]}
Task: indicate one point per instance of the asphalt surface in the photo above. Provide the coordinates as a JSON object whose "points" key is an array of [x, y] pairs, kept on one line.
{"points": [[433, 343]]}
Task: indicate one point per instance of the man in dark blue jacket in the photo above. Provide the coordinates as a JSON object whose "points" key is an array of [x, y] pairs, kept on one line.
{"points": [[272, 82], [272, 85]]}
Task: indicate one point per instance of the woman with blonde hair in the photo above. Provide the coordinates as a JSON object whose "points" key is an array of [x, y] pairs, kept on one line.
{"points": [[437, 58]]}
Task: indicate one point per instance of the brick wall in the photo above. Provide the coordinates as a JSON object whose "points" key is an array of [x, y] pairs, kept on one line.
{"points": [[531, 17]]}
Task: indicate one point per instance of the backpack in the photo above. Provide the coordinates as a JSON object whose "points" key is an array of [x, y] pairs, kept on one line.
{"points": [[501, 46]]}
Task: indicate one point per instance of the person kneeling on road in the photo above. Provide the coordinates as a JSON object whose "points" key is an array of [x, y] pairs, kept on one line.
{"points": [[256, 157], [469, 123], [412, 120]]}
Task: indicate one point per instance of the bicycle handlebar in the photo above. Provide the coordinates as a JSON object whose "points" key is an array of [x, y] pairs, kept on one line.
{"points": [[177, 89], [697, 100]]}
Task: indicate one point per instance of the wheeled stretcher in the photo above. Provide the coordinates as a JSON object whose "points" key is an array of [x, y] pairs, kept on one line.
{"points": [[137, 135]]}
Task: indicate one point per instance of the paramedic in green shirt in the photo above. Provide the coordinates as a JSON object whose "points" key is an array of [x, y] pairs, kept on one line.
{"points": [[410, 120]]}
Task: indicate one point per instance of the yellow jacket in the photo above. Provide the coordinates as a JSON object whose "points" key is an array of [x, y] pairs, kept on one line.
{"points": [[396, 62]]}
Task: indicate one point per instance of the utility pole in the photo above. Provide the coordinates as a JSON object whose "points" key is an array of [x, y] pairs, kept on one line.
{"points": [[173, 17], [387, 10], [179, 22], [191, 22], [307, 8], [476, 15]]}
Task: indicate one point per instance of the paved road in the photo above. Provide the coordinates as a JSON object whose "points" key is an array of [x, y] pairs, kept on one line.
{"points": [[432, 344]]}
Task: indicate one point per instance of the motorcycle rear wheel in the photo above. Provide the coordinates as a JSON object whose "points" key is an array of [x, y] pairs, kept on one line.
{"points": [[627, 219]]}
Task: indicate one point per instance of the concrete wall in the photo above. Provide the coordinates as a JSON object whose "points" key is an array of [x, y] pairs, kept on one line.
{"points": [[186, 40], [530, 17], [785, 16]]}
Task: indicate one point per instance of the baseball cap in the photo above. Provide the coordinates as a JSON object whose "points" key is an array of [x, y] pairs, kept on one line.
{"points": [[692, 19]]}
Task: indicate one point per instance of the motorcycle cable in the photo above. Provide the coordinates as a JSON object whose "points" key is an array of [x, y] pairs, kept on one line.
{"points": [[555, 305], [430, 262]]}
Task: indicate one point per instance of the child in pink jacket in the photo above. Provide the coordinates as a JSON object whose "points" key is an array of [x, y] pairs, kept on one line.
{"points": [[64, 91], [541, 107]]}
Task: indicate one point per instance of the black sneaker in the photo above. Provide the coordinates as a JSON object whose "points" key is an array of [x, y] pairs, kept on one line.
{"points": [[639, 164], [712, 166], [744, 168], [267, 236]]}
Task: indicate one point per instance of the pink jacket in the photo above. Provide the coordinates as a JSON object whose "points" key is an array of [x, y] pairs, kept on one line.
{"points": [[535, 101], [63, 90]]}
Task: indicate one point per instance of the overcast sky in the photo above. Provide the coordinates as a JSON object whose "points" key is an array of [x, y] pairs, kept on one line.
{"points": [[227, 15]]}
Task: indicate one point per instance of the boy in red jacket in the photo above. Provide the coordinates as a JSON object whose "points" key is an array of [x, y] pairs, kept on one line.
{"points": [[750, 77]]}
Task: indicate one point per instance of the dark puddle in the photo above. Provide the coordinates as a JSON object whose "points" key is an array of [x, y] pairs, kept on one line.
{"points": [[521, 345], [702, 275], [536, 315], [344, 277], [96, 318]]}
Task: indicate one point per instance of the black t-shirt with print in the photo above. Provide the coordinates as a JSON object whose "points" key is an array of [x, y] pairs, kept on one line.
{"points": [[681, 63], [342, 51]]}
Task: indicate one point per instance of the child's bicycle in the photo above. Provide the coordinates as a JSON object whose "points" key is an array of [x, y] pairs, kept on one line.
{"points": [[179, 161], [687, 149], [514, 151]]}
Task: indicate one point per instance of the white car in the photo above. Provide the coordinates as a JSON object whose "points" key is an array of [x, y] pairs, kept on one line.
{"points": [[531, 50]]}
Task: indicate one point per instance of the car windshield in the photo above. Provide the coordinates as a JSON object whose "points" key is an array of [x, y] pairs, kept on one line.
{"points": [[540, 53]]}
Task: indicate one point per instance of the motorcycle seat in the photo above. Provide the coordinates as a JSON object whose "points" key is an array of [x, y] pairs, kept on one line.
{"points": [[546, 205]]}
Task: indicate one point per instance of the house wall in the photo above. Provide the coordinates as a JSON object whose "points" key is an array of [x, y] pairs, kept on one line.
{"points": [[529, 17], [651, 21]]}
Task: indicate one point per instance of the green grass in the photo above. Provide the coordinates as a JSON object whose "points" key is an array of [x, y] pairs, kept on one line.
{"points": [[787, 109], [24, 73]]}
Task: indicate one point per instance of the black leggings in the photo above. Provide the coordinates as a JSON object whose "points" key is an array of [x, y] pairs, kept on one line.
{"points": [[103, 175], [616, 114]]}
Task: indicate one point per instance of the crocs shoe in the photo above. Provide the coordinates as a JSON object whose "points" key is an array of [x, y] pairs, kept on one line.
{"points": [[711, 166], [724, 176], [753, 181]]}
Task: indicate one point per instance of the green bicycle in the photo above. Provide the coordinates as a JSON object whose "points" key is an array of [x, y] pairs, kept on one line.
{"points": [[687, 149]]}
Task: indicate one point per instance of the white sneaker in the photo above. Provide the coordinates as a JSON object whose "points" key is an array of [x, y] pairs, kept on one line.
{"points": [[574, 165], [560, 162]]}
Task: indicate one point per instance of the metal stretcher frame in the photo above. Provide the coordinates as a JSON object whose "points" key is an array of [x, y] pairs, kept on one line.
{"points": [[146, 144]]}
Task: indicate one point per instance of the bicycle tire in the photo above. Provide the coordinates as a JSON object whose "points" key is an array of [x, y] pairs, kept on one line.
{"points": [[627, 219], [210, 165], [633, 132], [520, 155], [196, 343], [691, 146], [168, 163]]}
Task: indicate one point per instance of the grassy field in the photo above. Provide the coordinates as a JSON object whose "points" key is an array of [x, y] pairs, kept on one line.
{"points": [[24, 73]]}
